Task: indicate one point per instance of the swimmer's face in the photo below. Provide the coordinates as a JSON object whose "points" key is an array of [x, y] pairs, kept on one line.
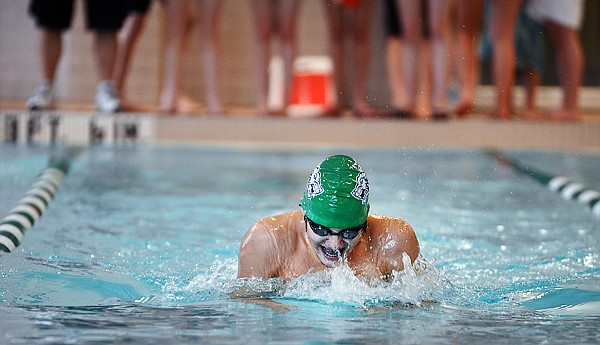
{"points": [[332, 245]]}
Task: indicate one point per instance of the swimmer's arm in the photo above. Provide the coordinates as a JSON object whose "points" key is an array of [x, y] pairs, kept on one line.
{"points": [[251, 291], [269, 303], [403, 240], [257, 257], [256, 261]]}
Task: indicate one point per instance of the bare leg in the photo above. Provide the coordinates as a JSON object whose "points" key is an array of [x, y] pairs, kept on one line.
{"points": [[422, 104], [106, 49], [468, 25], [410, 14], [185, 103], [362, 41], [209, 14], [288, 11], [531, 81], [50, 50], [262, 15], [438, 23], [504, 15], [49, 43], [570, 61], [126, 41], [175, 11], [336, 43], [107, 98], [395, 79]]}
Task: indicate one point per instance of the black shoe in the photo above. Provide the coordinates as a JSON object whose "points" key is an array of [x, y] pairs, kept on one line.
{"points": [[403, 114], [441, 116]]}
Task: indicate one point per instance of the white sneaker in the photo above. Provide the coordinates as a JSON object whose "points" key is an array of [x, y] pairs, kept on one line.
{"points": [[107, 100], [43, 98]]}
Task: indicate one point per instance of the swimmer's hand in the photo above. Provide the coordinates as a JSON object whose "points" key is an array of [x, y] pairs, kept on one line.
{"points": [[400, 305], [267, 302], [259, 291], [257, 288]]}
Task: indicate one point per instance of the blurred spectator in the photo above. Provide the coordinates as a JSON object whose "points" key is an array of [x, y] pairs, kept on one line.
{"points": [[502, 29], [528, 40], [269, 17], [393, 49], [412, 14], [53, 17], [393, 31], [468, 27], [126, 41], [562, 20], [180, 20], [360, 14]]}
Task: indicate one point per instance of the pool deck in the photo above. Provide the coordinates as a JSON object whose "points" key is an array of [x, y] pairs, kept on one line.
{"points": [[240, 128], [477, 131]]}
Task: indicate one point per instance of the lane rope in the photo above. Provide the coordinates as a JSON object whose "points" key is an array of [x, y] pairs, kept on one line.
{"points": [[565, 187], [31, 207]]}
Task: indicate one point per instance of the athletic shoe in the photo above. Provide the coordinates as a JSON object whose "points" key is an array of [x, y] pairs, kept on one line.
{"points": [[107, 100], [43, 98]]}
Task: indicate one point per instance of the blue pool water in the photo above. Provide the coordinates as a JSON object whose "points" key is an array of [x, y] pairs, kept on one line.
{"points": [[140, 245]]}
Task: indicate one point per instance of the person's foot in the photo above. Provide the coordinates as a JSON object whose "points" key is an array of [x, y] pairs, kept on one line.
{"points": [[167, 103], [464, 108], [184, 104], [530, 115], [363, 111], [277, 112], [107, 99], [333, 112], [43, 98], [502, 114], [216, 110], [132, 107], [564, 116], [403, 114], [440, 116], [214, 107], [439, 113]]}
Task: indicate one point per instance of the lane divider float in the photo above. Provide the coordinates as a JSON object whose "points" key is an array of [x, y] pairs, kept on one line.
{"points": [[567, 188], [31, 207]]}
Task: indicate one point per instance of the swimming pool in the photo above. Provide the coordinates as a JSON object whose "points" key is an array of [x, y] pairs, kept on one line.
{"points": [[140, 245]]}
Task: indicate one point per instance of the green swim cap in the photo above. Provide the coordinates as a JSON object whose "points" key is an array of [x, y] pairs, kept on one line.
{"points": [[337, 194]]}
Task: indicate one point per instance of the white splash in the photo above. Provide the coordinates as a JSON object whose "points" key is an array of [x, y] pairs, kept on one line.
{"points": [[414, 285], [417, 283]]}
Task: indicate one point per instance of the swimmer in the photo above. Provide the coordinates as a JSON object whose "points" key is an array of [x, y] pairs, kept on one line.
{"points": [[332, 227]]}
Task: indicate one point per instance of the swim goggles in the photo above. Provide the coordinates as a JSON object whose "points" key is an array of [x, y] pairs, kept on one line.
{"points": [[323, 231]]}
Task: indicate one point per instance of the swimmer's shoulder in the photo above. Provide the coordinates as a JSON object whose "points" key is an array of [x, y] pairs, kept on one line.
{"points": [[281, 221], [281, 227], [388, 223], [392, 228], [395, 235], [267, 234]]}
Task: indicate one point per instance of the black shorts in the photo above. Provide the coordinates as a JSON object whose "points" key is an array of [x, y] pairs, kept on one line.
{"points": [[101, 15], [140, 6], [392, 23]]}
